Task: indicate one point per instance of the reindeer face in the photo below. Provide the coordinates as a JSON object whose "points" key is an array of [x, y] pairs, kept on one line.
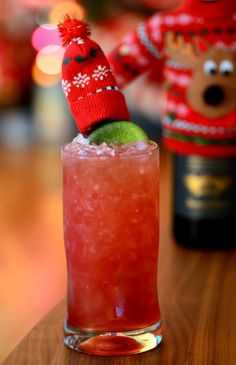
{"points": [[213, 87]]}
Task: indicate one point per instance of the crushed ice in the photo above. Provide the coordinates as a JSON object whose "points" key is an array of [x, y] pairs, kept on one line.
{"points": [[80, 146], [81, 139]]}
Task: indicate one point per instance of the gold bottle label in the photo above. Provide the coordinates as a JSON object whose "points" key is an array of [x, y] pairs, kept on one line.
{"points": [[204, 187]]}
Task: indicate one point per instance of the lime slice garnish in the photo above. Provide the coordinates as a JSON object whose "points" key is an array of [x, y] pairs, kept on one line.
{"points": [[118, 132]]}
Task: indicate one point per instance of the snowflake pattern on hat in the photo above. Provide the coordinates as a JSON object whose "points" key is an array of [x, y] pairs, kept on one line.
{"points": [[81, 80], [77, 40], [101, 72], [66, 86]]}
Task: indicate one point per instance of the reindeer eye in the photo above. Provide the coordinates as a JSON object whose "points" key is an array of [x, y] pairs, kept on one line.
{"points": [[210, 67], [226, 68]]}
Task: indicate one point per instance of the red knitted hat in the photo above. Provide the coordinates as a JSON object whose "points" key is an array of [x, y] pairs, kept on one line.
{"points": [[87, 79]]}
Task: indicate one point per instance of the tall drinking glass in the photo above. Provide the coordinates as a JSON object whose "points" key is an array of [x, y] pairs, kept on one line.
{"points": [[111, 231]]}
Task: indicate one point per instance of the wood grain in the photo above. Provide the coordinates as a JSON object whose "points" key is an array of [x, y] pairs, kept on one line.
{"points": [[197, 293]]}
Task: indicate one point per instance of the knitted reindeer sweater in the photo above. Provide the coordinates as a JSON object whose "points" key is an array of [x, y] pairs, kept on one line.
{"points": [[194, 48]]}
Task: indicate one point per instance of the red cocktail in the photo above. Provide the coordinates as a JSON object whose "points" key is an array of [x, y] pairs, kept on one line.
{"points": [[111, 240]]}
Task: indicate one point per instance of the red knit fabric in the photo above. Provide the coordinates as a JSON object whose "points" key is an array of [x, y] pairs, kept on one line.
{"points": [[197, 45], [87, 79]]}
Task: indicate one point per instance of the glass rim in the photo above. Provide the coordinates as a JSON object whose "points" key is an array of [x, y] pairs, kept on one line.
{"points": [[106, 157]]}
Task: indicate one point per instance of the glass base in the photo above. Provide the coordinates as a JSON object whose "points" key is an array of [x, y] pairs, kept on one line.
{"points": [[113, 343]]}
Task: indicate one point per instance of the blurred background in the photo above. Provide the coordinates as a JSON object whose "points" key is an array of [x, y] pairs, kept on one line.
{"points": [[34, 123]]}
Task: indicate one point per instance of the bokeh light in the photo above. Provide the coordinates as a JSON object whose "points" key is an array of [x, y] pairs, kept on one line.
{"points": [[42, 79], [49, 59], [66, 7], [41, 15], [45, 35], [46, 39]]}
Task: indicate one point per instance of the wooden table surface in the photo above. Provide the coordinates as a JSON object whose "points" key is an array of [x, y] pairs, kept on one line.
{"points": [[197, 293]]}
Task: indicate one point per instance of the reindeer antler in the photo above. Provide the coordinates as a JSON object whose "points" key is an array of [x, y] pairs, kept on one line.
{"points": [[179, 50]]}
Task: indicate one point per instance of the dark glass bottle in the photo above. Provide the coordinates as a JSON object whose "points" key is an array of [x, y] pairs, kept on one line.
{"points": [[204, 201]]}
